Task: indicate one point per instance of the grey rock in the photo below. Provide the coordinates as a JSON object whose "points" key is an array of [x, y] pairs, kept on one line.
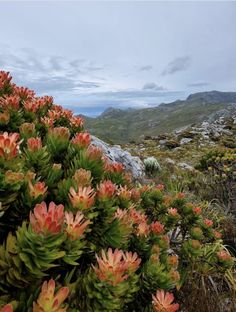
{"points": [[185, 166], [116, 154], [185, 141]]}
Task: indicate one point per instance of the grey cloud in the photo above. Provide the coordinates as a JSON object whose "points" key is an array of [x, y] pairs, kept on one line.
{"points": [[146, 68], [199, 84], [152, 86], [178, 64]]}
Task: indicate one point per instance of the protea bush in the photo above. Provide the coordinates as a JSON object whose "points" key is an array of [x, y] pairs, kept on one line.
{"points": [[76, 233]]}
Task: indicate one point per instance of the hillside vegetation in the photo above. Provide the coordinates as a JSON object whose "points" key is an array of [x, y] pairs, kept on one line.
{"points": [[122, 126]]}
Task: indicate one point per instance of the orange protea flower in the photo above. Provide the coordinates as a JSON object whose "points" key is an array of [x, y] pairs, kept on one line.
{"points": [[8, 145], [106, 190], [48, 301], [82, 139], [160, 187], [37, 189], [7, 308], [173, 260], [124, 193], [224, 256], [4, 118], [82, 177], [45, 221], [94, 153], [163, 302], [197, 210], [59, 133], [27, 128], [5, 78], [136, 216], [47, 122], [75, 226], [34, 144], [31, 106], [135, 194], [208, 223], [180, 195], [23, 93], [10, 102], [157, 227], [13, 177], [82, 199], [114, 267], [142, 229], [217, 234], [132, 260], [77, 121]]}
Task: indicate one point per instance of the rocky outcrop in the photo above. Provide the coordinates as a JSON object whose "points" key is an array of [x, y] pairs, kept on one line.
{"points": [[116, 154]]}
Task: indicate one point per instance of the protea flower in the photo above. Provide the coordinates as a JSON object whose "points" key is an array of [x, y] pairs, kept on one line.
{"points": [[23, 93], [7, 308], [31, 106], [37, 189], [45, 221], [82, 177], [61, 133], [106, 190], [94, 153], [114, 267], [173, 261], [34, 144], [27, 129], [8, 145], [225, 258], [82, 199], [48, 301], [4, 118], [82, 140], [5, 78], [13, 177], [10, 102], [208, 223], [114, 167], [157, 227], [163, 302], [75, 226], [124, 193], [197, 210], [76, 121], [142, 229]]}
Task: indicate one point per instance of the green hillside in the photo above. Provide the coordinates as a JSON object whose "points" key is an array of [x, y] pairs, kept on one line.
{"points": [[123, 126]]}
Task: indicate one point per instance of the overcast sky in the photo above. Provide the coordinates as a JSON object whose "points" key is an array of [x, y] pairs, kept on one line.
{"points": [[91, 55]]}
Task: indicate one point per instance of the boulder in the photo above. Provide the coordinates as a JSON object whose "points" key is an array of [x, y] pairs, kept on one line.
{"points": [[116, 154]]}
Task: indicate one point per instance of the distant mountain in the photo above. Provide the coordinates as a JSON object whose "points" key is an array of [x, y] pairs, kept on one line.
{"points": [[121, 126]]}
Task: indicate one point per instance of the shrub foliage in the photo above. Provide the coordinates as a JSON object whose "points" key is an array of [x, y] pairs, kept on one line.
{"points": [[76, 234]]}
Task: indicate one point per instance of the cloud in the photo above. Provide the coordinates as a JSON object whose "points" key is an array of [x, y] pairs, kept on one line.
{"points": [[178, 64], [146, 68], [198, 84], [152, 86]]}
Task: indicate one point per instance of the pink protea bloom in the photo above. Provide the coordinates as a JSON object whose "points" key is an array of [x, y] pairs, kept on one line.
{"points": [[7, 308], [163, 302], [173, 212], [143, 229], [31, 105], [47, 122], [180, 195], [137, 216], [94, 153], [82, 199], [208, 223], [115, 267], [37, 189], [77, 121], [217, 234], [82, 139], [160, 187], [135, 194], [34, 144], [111, 267], [75, 226], [27, 128], [197, 210], [45, 221], [23, 93], [5, 78], [82, 177], [54, 114], [132, 260], [124, 193], [48, 301], [106, 190], [8, 145], [224, 256], [59, 133], [157, 227], [10, 102]]}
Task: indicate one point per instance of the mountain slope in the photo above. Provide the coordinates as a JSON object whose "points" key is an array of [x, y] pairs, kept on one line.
{"points": [[123, 126]]}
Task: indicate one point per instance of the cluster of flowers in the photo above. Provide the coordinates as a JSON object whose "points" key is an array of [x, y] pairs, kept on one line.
{"points": [[68, 213]]}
